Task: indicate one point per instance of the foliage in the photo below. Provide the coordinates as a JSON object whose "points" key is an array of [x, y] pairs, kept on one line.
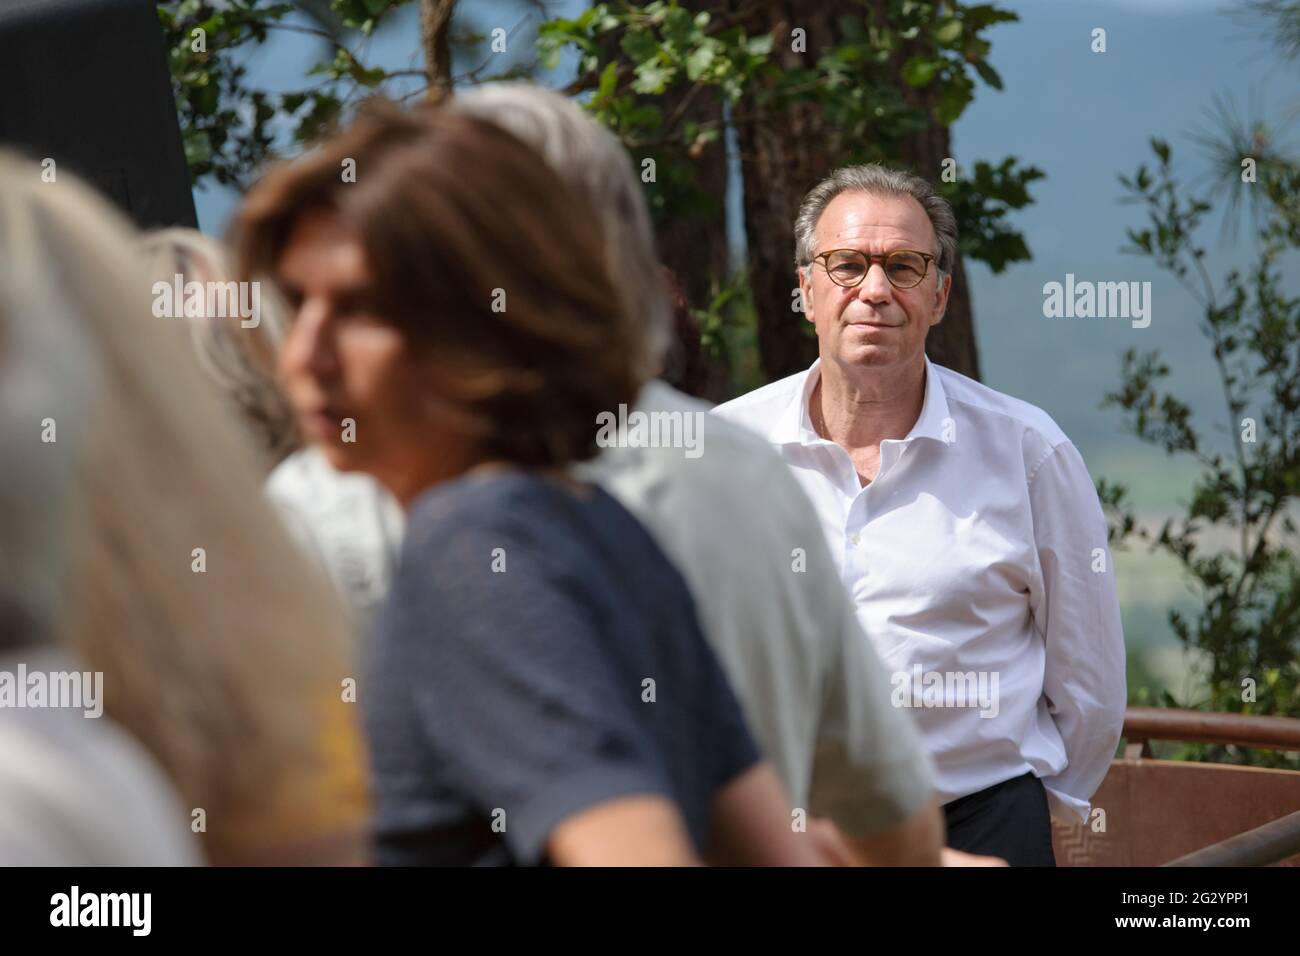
{"points": [[229, 127], [1237, 540], [645, 64], [660, 52]]}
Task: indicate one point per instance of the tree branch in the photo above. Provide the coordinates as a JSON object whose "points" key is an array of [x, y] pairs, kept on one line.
{"points": [[435, 27]]}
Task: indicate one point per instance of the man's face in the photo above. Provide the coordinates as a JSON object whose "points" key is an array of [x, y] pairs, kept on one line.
{"points": [[340, 360], [874, 324]]}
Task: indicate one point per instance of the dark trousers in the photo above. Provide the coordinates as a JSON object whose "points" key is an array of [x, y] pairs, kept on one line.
{"points": [[1009, 819]]}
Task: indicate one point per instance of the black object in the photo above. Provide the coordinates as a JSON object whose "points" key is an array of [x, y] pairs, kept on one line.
{"points": [[1010, 820], [85, 83]]}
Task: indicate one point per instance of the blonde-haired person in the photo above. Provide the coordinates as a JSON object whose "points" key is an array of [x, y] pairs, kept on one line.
{"points": [[221, 649], [348, 523], [75, 789]]}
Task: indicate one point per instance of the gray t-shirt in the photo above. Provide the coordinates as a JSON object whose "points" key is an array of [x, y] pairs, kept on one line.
{"points": [[744, 535], [538, 654]]}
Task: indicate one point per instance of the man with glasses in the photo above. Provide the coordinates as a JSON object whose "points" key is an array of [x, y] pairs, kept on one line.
{"points": [[963, 521]]}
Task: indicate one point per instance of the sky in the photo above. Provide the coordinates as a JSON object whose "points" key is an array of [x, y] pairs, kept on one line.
{"points": [[1083, 118]]}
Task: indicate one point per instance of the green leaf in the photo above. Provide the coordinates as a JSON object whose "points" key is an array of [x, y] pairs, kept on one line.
{"points": [[653, 77], [639, 46], [988, 74], [608, 81], [207, 95], [549, 49], [919, 71], [198, 148], [679, 29], [699, 61], [644, 116], [948, 32], [352, 12], [985, 14], [954, 99], [323, 110], [366, 77]]}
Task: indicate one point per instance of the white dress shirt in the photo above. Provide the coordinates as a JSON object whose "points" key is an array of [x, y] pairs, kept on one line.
{"points": [[978, 563]]}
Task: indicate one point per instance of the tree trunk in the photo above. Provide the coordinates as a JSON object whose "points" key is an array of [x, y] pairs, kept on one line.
{"points": [[782, 155], [952, 342], [691, 240], [694, 245]]}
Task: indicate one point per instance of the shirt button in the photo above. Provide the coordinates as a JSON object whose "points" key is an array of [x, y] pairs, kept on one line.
{"points": [[853, 538]]}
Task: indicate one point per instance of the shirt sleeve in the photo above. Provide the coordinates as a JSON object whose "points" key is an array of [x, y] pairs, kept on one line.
{"points": [[870, 771], [515, 694], [1077, 613]]}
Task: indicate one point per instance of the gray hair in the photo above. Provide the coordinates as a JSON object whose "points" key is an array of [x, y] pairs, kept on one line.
{"points": [[876, 180], [239, 362], [591, 160]]}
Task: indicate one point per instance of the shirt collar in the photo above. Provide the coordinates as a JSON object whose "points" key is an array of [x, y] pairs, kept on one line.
{"points": [[794, 424]]}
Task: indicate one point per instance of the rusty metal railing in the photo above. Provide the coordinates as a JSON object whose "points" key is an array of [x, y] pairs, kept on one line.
{"points": [[1270, 843], [1143, 724], [1264, 845]]}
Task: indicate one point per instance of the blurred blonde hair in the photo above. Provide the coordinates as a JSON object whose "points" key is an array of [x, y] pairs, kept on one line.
{"points": [[47, 374], [238, 361], [221, 673]]}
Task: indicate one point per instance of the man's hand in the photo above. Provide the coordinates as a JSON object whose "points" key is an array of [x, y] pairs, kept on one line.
{"points": [[953, 857], [915, 841], [831, 843]]}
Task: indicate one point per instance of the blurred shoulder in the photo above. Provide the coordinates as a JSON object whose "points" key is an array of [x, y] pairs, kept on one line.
{"points": [[759, 409]]}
